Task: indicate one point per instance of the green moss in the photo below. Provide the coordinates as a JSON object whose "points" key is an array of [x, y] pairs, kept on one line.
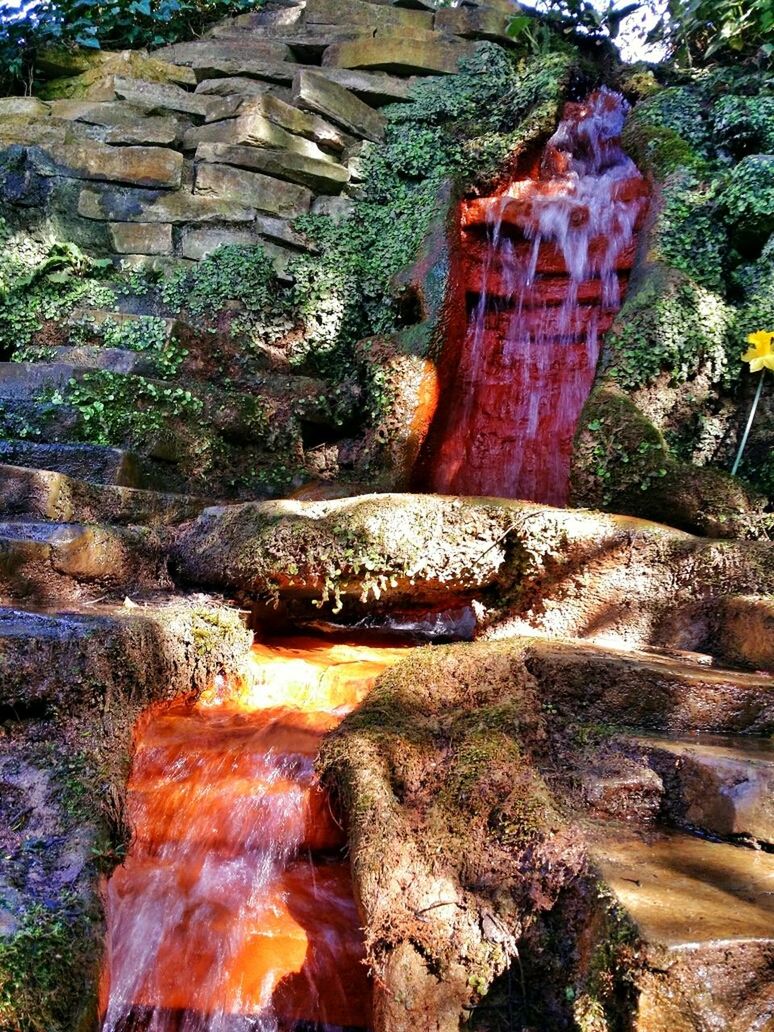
{"points": [[749, 192], [675, 326], [690, 233], [43, 967]]}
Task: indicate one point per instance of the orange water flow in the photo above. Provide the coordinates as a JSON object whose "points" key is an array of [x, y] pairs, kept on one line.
{"points": [[545, 264], [234, 909]]}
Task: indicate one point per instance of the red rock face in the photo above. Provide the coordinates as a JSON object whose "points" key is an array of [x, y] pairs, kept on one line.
{"points": [[545, 263]]}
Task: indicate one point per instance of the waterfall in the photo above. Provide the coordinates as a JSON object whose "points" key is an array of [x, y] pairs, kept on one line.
{"points": [[234, 910], [546, 262]]}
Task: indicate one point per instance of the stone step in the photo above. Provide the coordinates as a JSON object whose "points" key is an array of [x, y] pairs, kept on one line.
{"points": [[46, 495], [745, 630], [57, 657], [27, 381], [717, 784], [49, 562], [662, 693], [92, 357], [704, 916], [95, 463]]}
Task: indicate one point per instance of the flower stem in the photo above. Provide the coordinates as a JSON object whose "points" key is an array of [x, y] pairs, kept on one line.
{"points": [[746, 434]]}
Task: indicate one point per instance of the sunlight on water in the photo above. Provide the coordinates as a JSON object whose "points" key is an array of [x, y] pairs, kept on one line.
{"points": [[234, 909]]}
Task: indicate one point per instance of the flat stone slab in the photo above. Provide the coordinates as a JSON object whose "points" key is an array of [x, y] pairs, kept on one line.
{"points": [[162, 97], [114, 360], [264, 193], [44, 495], [50, 654], [399, 55], [26, 381], [365, 15], [638, 689], [253, 129], [49, 561], [326, 177], [209, 57], [143, 166], [721, 785], [124, 204], [683, 892], [315, 93], [375, 88], [93, 462], [141, 238]]}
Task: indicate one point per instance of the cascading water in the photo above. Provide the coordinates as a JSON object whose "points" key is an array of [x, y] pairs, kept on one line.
{"points": [[546, 267], [234, 911]]}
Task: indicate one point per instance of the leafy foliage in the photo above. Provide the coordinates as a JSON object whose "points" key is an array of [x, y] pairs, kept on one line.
{"points": [[697, 30], [94, 24]]}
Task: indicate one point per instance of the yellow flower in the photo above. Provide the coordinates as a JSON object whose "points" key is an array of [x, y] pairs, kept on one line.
{"points": [[761, 354]]}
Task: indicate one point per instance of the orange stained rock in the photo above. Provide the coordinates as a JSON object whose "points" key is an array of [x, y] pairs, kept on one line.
{"points": [[224, 907]]}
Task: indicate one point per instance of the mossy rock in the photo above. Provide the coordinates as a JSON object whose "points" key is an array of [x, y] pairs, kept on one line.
{"points": [[622, 463]]}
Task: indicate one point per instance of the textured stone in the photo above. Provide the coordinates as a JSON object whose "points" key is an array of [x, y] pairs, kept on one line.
{"points": [[281, 232], [315, 93], [143, 166], [98, 81], [253, 130], [108, 113], [45, 495], [164, 97], [306, 42], [301, 123], [159, 131], [724, 786], [235, 85], [93, 462], [141, 237], [197, 243], [402, 55], [213, 57], [375, 88], [365, 15], [25, 107], [321, 176], [479, 22], [262, 192], [127, 205], [745, 631], [336, 208]]}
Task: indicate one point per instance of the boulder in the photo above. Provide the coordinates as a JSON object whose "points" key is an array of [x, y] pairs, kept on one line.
{"points": [[259, 191], [123, 204], [140, 166], [325, 177], [365, 15], [315, 93], [210, 58], [141, 237], [402, 55]]}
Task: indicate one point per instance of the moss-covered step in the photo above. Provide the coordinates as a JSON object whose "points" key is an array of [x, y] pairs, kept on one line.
{"points": [[566, 573], [49, 562], [72, 685], [46, 495], [95, 463], [718, 785], [704, 920]]}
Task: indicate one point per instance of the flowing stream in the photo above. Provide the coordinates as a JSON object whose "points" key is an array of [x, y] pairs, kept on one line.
{"points": [[234, 908], [545, 267]]}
